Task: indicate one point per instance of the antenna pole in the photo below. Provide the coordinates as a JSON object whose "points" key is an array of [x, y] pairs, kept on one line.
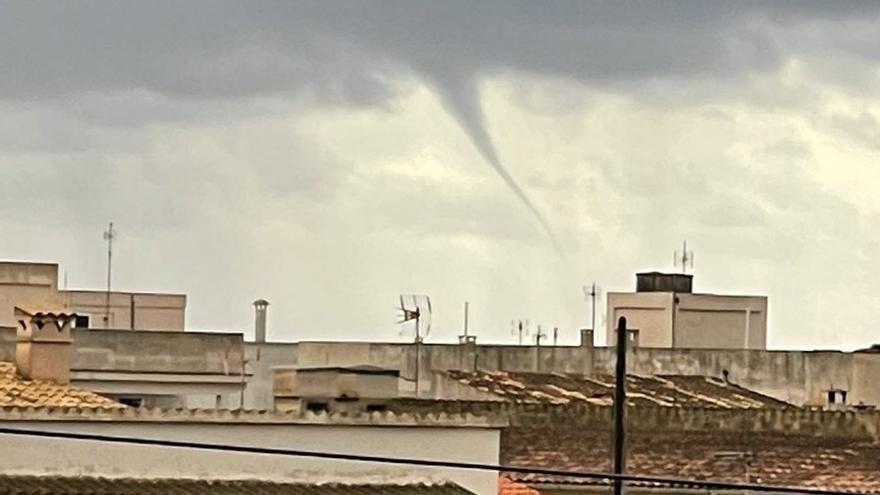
{"points": [[109, 235], [593, 303], [686, 258], [465, 319]]}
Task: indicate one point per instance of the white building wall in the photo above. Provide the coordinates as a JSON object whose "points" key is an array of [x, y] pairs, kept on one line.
{"points": [[30, 455]]}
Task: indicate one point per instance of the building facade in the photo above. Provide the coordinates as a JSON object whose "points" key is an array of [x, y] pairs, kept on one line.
{"points": [[34, 286], [665, 313]]}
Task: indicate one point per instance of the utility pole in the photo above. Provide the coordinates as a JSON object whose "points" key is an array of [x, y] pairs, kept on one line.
{"points": [[109, 236], [619, 460]]}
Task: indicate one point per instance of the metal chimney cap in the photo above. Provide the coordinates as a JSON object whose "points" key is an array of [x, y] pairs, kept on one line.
{"points": [[261, 302]]}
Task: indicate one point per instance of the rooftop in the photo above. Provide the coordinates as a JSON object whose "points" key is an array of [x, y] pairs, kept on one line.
{"points": [[228, 416], [736, 457], [654, 390], [18, 392], [81, 485]]}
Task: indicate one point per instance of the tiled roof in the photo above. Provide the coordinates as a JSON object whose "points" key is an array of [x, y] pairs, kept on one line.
{"points": [[654, 390], [775, 459], [76, 485], [15, 391], [509, 486]]}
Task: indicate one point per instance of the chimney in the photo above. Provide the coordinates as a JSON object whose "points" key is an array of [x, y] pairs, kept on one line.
{"points": [[587, 337], [260, 307], [43, 345]]}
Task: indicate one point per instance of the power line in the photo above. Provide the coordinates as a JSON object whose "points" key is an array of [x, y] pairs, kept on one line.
{"points": [[587, 475]]}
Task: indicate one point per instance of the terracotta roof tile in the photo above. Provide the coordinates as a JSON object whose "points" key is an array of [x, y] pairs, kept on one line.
{"points": [[655, 390], [777, 459], [77, 485], [510, 486], [15, 391]]}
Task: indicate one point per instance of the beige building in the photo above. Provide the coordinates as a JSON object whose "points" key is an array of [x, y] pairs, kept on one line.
{"points": [[665, 313], [34, 286]]}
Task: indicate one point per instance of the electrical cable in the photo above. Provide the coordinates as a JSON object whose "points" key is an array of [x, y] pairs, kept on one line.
{"points": [[586, 475]]}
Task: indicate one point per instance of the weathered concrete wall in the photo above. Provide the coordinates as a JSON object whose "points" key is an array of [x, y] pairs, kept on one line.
{"points": [[708, 321], [794, 376], [129, 310], [31, 286], [76, 458], [261, 359], [861, 426], [649, 312], [157, 352], [167, 369]]}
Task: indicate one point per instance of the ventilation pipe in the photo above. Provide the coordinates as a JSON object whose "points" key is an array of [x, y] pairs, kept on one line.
{"points": [[260, 307]]}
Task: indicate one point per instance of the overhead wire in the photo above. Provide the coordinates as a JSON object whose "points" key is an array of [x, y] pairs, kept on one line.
{"points": [[658, 481]]}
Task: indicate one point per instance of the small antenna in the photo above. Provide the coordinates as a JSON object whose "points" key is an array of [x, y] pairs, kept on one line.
{"points": [[683, 259], [519, 328], [592, 292], [466, 307], [541, 335]]}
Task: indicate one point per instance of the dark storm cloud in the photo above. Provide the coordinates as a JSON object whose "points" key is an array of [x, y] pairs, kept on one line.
{"points": [[343, 52]]}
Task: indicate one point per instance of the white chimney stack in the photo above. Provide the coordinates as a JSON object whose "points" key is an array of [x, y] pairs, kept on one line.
{"points": [[260, 307]]}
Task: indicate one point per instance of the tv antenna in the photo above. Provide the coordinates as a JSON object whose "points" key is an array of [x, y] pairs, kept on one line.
{"points": [[592, 292], [416, 308], [519, 328], [683, 259]]}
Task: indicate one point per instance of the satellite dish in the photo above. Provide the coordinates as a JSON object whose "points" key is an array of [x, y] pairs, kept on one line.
{"points": [[415, 315]]}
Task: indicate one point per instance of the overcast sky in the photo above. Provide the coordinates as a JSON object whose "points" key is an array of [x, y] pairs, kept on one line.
{"points": [[328, 156]]}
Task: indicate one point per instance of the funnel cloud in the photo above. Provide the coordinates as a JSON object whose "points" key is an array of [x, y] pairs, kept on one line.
{"points": [[461, 100]]}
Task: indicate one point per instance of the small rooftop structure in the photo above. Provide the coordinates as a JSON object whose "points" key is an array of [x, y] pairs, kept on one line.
{"points": [[664, 282], [336, 388]]}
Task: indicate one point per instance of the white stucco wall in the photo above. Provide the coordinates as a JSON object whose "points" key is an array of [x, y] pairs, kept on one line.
{"points": [[30, 455]]}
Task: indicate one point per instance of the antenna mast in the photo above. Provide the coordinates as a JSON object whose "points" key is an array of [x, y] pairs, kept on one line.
{"points": [[592, 291], [109, 235], [683, 259]]}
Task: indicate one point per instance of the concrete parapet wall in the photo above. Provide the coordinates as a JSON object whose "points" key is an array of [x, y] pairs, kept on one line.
{"points": [[157, 352], [842, 425], [799, 377]]}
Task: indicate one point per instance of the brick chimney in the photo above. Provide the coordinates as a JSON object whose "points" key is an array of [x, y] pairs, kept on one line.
{"points": [[43, 346]]}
